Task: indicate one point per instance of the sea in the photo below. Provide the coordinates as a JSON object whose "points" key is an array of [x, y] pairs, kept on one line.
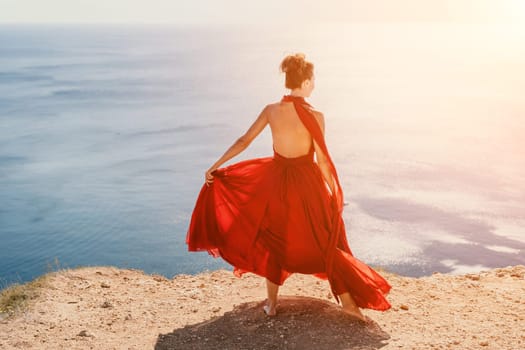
{"points": [[106, 131]]}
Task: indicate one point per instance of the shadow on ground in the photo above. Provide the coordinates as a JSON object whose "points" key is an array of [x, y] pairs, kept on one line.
{"points": [[301, 323]]}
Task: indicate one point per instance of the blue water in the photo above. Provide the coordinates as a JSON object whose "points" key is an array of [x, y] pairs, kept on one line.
{"points": [[105, 132]]}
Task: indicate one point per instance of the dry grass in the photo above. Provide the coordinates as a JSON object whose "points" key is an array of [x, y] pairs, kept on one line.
{"points": [[17, 297]]}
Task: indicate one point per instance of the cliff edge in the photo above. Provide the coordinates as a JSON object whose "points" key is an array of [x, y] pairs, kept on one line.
{"points": [[111, 308]]}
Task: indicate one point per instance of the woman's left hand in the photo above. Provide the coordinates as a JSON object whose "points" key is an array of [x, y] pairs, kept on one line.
{"points": [[208, 177]]}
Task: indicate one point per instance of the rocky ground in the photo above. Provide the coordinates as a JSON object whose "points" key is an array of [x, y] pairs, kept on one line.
{"points": [[110, 308]]}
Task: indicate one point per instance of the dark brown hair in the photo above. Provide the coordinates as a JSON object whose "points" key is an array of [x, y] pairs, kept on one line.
{"points": [[297, 70]]}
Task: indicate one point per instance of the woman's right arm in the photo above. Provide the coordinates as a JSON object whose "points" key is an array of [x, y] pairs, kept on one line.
{"points": [[241, 143]]}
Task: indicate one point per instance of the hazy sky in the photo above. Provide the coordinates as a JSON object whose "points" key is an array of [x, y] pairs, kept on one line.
{"points": [[259, 12]]}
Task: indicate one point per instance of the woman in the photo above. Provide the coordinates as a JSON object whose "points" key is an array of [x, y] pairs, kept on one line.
{"points": [[279, 215]]}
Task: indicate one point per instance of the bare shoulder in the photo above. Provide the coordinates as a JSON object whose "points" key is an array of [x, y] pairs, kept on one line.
{"points": [[318, 115], [272, 106], [271, 109]]}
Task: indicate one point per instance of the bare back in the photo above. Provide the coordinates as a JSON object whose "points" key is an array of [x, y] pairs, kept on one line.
{"points": [[290, 136]]}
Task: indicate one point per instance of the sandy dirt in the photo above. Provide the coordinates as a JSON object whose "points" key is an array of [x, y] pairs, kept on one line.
{"points": [[110, 308]]}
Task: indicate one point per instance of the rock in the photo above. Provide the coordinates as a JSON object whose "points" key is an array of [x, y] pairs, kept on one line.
{"points": [[84, 333], [403, 307], [106, 305], [104, 285], [473, 277], [159, 278], [484, 343]]}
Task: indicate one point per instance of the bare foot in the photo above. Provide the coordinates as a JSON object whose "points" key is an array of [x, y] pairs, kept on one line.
{"points": [[355, 313], [350, 307], [270, 309], [271, 300]]}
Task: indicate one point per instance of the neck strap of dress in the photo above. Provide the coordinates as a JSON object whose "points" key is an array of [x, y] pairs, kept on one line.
{"points": [[308, 119]]}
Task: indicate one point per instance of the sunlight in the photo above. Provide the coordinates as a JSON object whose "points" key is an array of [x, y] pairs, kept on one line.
{"points": [[513, 11]]}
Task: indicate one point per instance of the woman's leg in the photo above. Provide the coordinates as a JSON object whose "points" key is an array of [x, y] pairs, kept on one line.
{"points": [[350, 307], [271, 303]]}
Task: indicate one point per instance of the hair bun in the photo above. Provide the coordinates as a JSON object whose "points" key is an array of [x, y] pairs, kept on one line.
{"points": [[297, 69], [293, 63]]}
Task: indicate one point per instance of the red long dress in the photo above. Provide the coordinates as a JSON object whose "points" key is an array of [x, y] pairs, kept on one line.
{"points": [[275, 216]]}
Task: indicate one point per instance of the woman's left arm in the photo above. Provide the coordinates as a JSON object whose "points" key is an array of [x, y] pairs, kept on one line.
{"points": [[241, 143]]}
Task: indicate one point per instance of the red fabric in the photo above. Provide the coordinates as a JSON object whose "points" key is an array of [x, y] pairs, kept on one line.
{"points": [[274, 216]]}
